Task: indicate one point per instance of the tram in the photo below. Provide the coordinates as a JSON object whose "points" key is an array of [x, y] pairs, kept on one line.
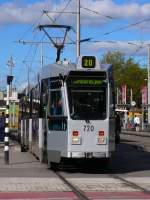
{"points": [[70, 112]]}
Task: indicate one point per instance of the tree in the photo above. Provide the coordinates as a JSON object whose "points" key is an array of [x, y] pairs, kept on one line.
{"points": [[126, 71]]}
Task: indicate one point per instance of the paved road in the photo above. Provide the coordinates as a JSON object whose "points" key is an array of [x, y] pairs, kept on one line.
{"points": [[128, 177]]}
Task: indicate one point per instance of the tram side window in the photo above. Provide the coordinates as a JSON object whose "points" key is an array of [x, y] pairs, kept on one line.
{"points": [[57, 121], [35, 102], [56, 103], [44, 97]]}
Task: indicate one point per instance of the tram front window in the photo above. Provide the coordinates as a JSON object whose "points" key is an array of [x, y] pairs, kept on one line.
{"points": [[86, 104]]}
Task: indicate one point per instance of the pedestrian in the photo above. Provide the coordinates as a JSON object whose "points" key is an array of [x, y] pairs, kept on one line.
{"points": [[2, 127], [117, 128], [137, 123]]}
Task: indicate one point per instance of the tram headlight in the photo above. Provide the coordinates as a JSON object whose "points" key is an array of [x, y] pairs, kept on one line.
{"points": [[101, 139], [75, 138]]}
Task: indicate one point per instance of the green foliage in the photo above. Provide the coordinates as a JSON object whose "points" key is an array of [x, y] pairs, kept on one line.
{"points": [[126, 71]]}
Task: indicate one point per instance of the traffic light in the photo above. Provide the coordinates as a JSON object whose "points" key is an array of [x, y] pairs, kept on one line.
{"points": [[145, 116], [9, 79]]}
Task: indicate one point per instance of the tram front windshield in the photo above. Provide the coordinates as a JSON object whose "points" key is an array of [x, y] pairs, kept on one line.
{"points": [[87, 104]]}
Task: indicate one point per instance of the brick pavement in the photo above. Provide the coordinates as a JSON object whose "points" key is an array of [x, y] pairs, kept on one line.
{"points": [[26, 178], [25, 173]]}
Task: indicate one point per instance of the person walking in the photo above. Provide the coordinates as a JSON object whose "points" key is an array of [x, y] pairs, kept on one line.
{"points": [[117, 128], [137, 123], [2, 127]]}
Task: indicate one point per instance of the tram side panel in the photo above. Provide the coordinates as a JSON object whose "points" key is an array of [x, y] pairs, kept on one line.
{"points": [[56, 145], [111, 114], [35, 136], [37, 127]]}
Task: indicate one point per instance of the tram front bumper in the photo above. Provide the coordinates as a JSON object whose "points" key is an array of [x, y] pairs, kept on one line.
{"points": [[87, 154]]}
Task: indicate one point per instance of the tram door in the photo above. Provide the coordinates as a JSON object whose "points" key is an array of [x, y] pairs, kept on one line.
{"points": [[57, 123]]}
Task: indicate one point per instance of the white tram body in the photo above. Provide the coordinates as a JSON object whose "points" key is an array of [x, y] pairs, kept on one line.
{"points": [[72, 112]]}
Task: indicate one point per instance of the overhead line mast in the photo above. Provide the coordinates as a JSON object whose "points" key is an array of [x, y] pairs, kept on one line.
{"points": [[78, 28]]}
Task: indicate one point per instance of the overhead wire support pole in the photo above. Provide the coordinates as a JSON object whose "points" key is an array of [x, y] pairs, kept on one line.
{"points": [[6, 138], [42, 55], [10, 63], [148, 82], [78, 28]]}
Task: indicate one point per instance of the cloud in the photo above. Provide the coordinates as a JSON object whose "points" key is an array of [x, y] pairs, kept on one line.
{"points": [[13, 12], [127, 47]]}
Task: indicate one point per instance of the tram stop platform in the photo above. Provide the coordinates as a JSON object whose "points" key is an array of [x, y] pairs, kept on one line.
{"points": [[25, 173]]}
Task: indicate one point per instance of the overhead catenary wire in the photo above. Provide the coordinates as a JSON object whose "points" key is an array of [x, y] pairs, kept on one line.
{"points": [[136, 51], [62, 10], [138, 47], [98, 13], [31, 27], [126, 27], [29, 51]]}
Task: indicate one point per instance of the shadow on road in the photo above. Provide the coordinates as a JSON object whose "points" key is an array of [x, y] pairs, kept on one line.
{"points": [[127, 158]]}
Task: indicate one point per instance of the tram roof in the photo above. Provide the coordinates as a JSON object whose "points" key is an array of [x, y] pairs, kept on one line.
{"points": [[53, 70]]}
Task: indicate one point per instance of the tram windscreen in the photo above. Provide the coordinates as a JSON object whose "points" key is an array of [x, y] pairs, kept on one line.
{"points": [[87, 104], [87, 95]]}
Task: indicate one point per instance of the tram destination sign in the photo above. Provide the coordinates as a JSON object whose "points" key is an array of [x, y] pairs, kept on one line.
{"points": [[87, 82]]}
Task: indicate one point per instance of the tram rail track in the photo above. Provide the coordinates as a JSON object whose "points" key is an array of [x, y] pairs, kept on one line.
{"points": [[130, 184], [80, 194]]}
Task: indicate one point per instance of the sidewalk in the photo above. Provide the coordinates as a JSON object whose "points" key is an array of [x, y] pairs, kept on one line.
{"points": [[25, 173], [20, 163], [140, 133]]}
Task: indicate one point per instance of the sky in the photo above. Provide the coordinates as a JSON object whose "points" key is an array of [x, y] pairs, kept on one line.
{"points": [[111, 25]]}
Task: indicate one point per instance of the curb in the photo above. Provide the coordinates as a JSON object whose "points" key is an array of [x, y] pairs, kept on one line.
{"points": [[2, 144], [141, 134]]}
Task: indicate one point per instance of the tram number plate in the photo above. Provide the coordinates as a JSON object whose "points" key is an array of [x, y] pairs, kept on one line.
{"points": [[88, 128]]}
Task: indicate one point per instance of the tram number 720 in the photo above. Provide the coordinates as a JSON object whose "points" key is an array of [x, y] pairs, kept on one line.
{"points": [[88, 128]]}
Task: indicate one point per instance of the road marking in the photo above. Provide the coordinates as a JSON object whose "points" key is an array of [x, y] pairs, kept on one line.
{"points": [[118, 195], [38, 196]]}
